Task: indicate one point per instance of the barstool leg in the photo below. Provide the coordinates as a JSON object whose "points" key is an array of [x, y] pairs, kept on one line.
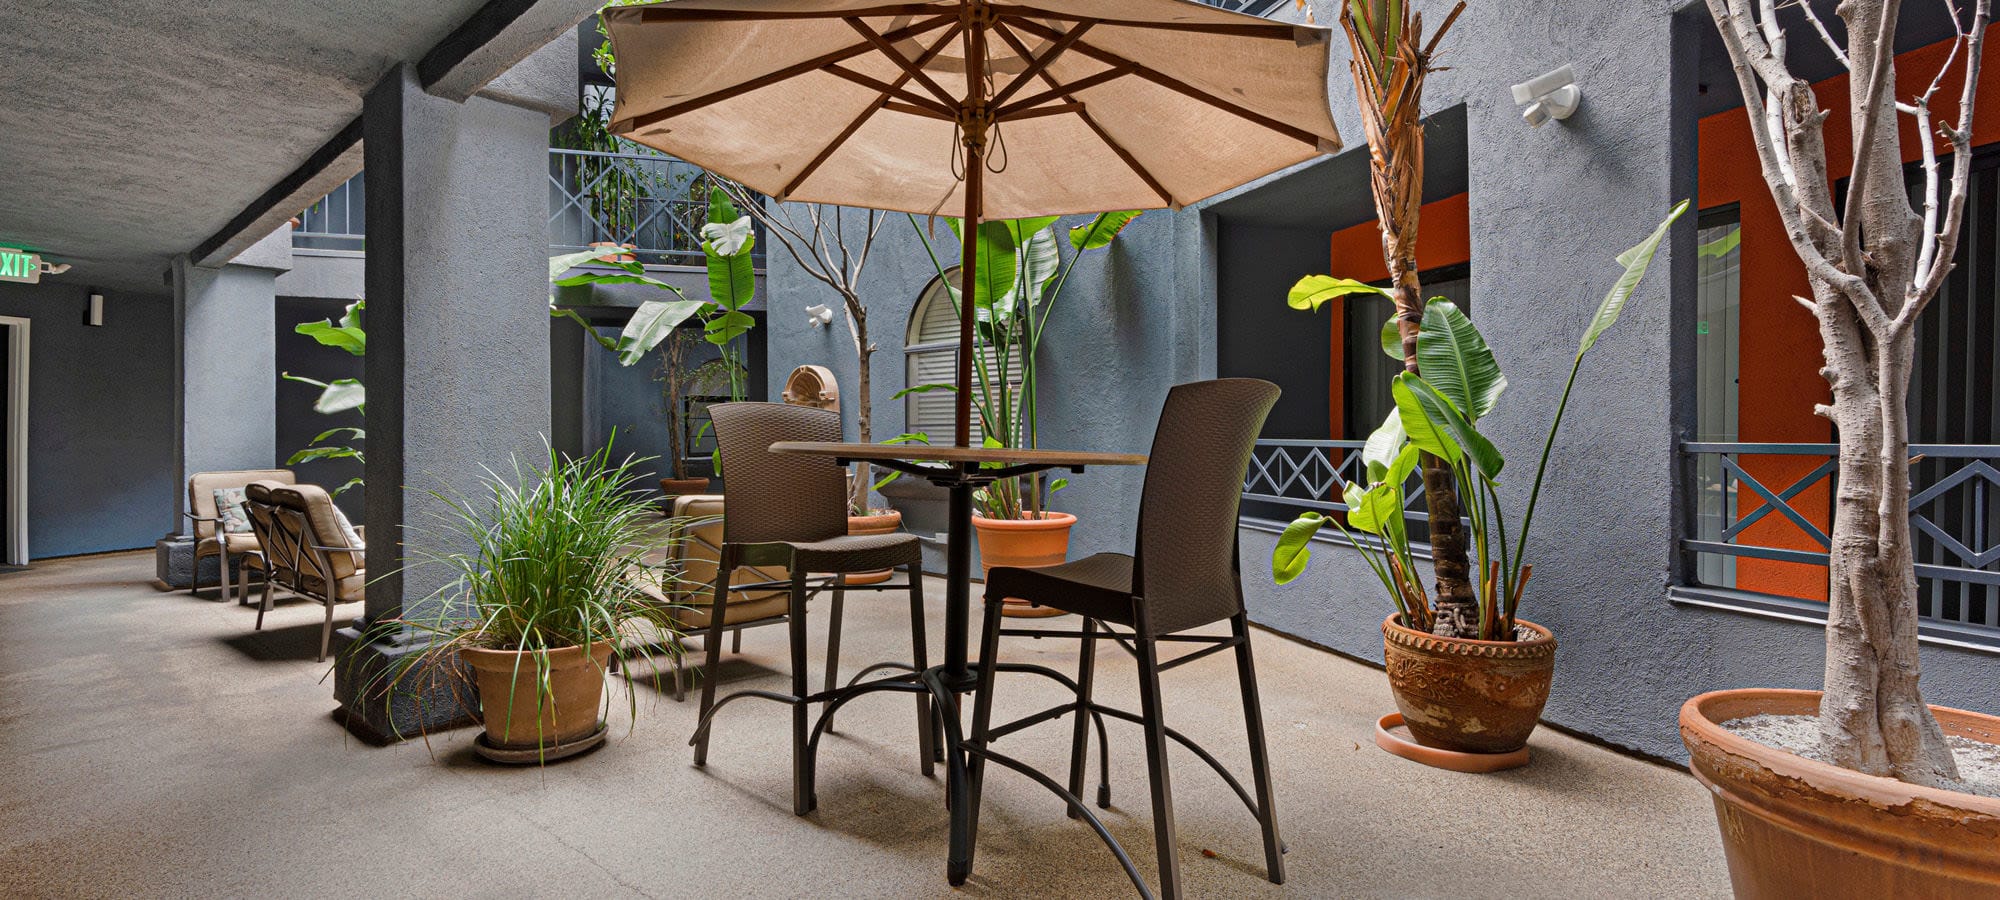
{"points": [[926, 731], [1260, 758], [717, 612], [1079, 748], [802, 776], [833, 639], [982, 721], [1156, 765]]}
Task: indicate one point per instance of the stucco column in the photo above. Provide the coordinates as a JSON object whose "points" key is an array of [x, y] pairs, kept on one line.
{"points": [[225, 392], [458, 348]]}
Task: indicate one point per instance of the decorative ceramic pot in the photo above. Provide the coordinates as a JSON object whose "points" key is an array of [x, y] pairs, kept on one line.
{"points": [[880, 521], [1024, 543], [1469, 696], [509, 695], [1795, 827], [675, 487]]}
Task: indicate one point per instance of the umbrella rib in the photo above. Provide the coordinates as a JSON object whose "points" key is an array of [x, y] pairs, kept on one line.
{"points": [[1174, 84], [811, 65], [1014, 41], [1016, 110], [1040, 63], [881, 102], [1263, 29], [887, 90], [915, 71]]}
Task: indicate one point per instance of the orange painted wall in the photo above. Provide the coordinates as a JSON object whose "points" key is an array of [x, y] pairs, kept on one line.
{"points": [[1444, 238], [1779, 345]]}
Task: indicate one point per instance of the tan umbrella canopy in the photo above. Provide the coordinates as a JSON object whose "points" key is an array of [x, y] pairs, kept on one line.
{"points": [[974, 108]]}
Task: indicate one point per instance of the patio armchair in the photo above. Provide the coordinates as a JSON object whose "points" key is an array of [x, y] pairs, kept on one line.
{"points": [[275, 559], [790, 512], [1185, 574], [205, 519], [691, 548], [327, 559]]}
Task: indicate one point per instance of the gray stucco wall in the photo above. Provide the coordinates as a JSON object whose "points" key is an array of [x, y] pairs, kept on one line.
{"points": [[101, 418], [1550, 207]]}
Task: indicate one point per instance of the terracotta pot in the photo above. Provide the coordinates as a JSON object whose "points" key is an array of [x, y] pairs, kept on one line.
{"points": [[1794, 827], [613, 245], [880, 521], [508, 698], [1024, 543], [675, 487], [1469, 696]]}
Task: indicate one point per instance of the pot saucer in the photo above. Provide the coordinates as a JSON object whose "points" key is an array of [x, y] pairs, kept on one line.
{"points": [[1393, 736], [532, 755]]}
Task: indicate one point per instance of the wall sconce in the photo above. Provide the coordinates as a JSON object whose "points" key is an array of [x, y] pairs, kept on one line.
{"points": [[819, 315], [95, 316], [1551, 96]]}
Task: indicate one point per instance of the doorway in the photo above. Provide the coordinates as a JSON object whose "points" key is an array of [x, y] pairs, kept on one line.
{"points": [[14, 443]]}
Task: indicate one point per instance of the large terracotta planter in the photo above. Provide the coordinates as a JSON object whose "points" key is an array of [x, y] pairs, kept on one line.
{"points": [[509, 695], [1469, 696], [1794, 827], [881, 521], [1024, 543]]}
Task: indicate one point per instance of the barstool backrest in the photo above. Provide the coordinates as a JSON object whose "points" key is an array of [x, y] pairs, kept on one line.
{"points": [[1186, 568], [771, 497]]}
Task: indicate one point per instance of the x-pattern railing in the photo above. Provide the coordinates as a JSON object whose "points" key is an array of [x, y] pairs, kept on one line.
{"points": [[1309, 474], [1950, 510], [655, 203]]}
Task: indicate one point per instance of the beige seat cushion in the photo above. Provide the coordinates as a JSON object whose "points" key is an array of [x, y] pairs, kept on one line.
{"points": [[238, 542]]}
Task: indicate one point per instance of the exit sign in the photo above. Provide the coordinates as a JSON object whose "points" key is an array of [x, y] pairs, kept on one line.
{"points": [[21, 266]]}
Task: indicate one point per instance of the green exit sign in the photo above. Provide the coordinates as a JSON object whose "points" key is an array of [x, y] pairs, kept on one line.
{"points": [[21, 266]]}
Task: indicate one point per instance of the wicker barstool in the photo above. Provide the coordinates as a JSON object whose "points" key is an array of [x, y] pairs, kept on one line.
{"points": [[1184, 575], [790, 511]]}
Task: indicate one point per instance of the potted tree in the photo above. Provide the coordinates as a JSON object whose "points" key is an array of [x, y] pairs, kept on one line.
{"points": [[818, 239], [1019, 274], [1860, 789], [1469, 702], [550, 577]]}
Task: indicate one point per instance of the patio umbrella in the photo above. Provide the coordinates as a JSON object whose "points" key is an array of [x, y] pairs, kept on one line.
{"points": [[982, 109]]}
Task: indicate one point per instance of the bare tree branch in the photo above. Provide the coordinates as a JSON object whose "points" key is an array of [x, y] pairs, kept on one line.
{"points": [[1944, 244]]}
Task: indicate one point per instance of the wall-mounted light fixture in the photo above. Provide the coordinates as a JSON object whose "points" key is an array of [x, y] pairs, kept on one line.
{"points": [[95, 316], [819, 315], [1551, 96]]}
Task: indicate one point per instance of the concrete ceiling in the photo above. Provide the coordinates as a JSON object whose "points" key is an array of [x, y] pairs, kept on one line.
{"points": [[134, 131]]}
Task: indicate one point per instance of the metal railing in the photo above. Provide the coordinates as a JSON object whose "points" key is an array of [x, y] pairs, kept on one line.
{"points": [[339, 221], [1955, 525], [1288, 476], [654, 202]]}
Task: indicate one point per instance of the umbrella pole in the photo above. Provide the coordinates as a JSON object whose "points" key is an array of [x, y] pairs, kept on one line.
{"points": [[973, 119]]}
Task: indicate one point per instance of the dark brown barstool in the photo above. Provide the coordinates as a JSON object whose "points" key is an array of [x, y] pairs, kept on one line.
{"points": [[789, 511], [1185, 575]]}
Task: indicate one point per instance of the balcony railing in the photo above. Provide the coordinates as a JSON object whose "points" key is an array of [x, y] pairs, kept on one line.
{"points": [[1289, 476], [654, 202], [1773, 503]]}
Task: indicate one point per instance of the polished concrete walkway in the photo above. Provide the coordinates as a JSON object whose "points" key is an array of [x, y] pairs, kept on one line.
{"points": [[152, 744]]}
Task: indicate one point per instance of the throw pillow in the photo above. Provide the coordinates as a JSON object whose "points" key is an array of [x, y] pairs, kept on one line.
{"points": [[347, 532], [233, 510]]}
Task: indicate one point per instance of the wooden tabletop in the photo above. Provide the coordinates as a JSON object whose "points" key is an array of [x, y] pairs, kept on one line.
{"points": [[951, 454]]}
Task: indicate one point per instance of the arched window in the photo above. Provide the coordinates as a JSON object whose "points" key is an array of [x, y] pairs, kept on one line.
{"points": [[930, 353]]}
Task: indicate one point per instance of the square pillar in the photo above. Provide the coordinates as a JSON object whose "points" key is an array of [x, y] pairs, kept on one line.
{"points": [[225, 389], [458, 352]]}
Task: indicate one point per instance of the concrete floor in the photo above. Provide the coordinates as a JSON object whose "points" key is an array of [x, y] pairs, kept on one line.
{"points": [[152, 744]]}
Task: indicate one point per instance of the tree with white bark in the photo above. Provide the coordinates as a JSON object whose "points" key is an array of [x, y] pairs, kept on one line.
{"points": [[1874, 262], [833, 250]]}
